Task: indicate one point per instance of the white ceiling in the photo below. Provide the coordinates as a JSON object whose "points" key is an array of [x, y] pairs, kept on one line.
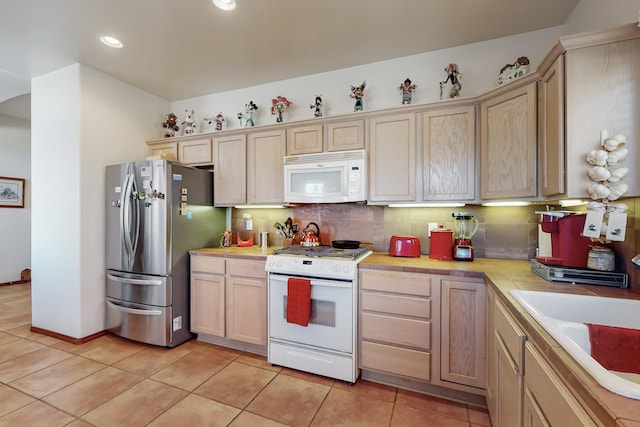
{"points": [[179, 49]]}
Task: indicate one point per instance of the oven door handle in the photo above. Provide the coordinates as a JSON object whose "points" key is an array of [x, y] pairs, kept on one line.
{"points": [[314, 282]]}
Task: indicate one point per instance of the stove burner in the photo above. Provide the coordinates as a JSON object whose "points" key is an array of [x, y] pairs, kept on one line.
{"points": [[321, 251]]}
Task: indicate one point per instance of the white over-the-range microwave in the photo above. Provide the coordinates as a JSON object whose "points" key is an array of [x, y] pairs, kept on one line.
{"points": [[331, 177]]}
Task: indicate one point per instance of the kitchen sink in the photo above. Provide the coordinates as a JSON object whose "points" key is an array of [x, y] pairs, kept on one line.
{"points": [[564, 316]]}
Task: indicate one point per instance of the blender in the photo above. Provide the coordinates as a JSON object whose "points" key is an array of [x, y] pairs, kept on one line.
{"points": [[465, 226]]}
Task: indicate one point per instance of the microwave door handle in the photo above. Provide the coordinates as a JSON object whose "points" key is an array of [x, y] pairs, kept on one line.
{"points": [[134, 310], [146, 282]]}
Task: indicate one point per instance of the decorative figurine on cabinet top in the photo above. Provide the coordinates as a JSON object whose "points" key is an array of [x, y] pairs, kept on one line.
{"points": [[513, 71], [249, 110], [170, 123], [453, 76], [407, 89], [357, 92], [189, 122], [207, 125], [317, 105], [278, 105], [219, 120]]}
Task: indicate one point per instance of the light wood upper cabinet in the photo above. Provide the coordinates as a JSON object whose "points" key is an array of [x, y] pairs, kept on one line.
{"points": [[551, 130], [392, 158], [265, 169], [344, 136], [448, 154], [463, 329], [164, 147], [508, 144], [304, 140], [195, 152], [230, 170]]}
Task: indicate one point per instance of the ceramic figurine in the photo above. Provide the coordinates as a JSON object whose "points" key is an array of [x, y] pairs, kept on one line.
{"points": [[170, 123], [219, 120], [189, 123], [357, 92], [278, 105], [248, 111], [513, 71], [453, 76], [240, 117], [317, 106], [407, 91], [207, 125]]}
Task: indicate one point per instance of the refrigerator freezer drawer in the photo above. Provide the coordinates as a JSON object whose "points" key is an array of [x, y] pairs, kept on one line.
{"points": [[143, 323], [139, 288]]}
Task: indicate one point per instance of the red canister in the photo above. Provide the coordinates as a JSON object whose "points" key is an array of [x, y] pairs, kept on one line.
{"points": [[441, 244]]}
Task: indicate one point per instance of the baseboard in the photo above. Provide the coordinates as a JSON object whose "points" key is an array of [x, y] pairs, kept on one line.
{"points": [[67, 338]]}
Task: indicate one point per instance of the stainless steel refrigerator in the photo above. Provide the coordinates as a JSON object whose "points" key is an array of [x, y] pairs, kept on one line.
{"points": [[156, 211]]}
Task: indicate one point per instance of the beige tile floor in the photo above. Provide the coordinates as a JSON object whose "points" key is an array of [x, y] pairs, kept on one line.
{"points": [[115, 382]]}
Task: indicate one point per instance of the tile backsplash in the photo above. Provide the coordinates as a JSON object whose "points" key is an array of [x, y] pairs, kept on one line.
{"points": [[503, 232]]}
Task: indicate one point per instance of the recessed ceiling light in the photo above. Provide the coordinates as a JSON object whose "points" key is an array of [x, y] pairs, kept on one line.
{"points": [[111, 41], [225, 4]]}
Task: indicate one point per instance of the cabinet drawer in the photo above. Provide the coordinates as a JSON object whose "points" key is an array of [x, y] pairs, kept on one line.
{"points": [[510, 334], [401, 361], [207, 264], [396, 304], [246, 268], [393, 281], [396, 330]]}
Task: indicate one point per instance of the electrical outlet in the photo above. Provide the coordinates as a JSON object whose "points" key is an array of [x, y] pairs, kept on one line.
{"points": [[432, 226]]}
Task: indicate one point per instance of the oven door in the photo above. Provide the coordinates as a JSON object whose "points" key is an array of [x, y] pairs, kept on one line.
{"points": [[331, 322]]}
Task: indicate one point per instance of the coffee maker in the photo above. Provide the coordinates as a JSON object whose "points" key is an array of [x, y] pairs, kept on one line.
{"points": [[465, 226], [569, 248]]}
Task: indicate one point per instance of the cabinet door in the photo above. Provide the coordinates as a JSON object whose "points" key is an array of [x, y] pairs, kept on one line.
{"points": [[304, 140], [265, 173], [230, 170], [508, 144], [392, 158], [548, 402], [448, 154], [551, 130], [208, 304], [195, 152], [167, 149], [508, 407], [343, 136], [247, 309], [463, 315]]}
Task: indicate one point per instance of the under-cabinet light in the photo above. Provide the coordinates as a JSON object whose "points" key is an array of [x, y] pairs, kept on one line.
{"points": [[225, 4], [111, 41], [506, 203], [571, 202], [426, 205], [259, 207]]}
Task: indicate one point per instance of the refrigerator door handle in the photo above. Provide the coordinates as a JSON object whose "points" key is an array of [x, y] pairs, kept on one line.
{"points": [[150, 282], [134, 310], [129, 211]]}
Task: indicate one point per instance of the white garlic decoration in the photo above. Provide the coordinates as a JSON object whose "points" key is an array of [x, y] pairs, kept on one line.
{"points": [[607, 174]]}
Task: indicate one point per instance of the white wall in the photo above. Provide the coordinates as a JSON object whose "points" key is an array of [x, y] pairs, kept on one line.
{"points": [[82, 120], [598, 14], [15, 224], [479, 64]]}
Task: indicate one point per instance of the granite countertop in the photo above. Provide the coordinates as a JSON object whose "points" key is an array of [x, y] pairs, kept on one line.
{"points": [[502, 276]]}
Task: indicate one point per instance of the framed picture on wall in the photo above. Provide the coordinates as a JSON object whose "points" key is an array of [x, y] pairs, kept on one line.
{"points": [[11, 192]]}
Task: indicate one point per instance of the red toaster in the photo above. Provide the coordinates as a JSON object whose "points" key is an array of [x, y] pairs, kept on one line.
{"points": [[407, 246]]}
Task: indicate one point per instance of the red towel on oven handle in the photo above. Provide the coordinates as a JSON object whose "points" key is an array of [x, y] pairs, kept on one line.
{"points": [[298, 301], [615, 348]]}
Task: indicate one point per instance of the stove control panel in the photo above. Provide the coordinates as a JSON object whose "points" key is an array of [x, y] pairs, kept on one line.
{"points": [[337, 268]]}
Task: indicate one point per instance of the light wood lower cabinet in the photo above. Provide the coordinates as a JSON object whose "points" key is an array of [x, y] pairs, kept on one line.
{"points": [[463, 333], [229, 298], [547, 401], [396, 323]]}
